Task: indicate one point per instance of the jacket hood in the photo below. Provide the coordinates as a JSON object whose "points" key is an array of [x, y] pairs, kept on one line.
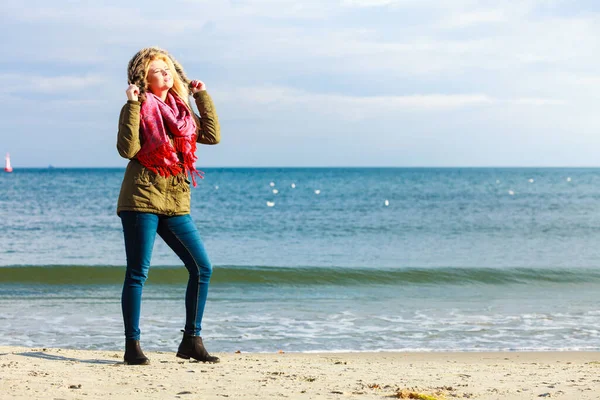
{"points": [[135, 68]]}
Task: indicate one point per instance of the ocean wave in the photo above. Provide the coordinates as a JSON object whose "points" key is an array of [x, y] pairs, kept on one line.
{"points": [[304, 276]]}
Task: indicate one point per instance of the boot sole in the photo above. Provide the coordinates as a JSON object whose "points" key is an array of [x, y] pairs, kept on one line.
{"points": [[147, 362], [186, 357]]}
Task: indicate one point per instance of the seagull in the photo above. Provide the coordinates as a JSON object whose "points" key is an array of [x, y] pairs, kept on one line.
{"points": [[275, 191], [293, 185], [317, 191], [272, 184], [270, 203], [511, 192], [569, 179], [217, 187], [531, 181], [387, 203]]}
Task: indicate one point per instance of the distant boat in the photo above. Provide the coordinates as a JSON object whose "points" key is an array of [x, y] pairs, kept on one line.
{"points": [[7, 167]]}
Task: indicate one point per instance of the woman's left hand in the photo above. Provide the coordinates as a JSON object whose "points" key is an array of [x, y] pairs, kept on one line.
{"points": [[197, 86]]}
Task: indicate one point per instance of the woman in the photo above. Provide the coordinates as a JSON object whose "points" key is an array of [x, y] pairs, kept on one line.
{"points": [[158, 132]]}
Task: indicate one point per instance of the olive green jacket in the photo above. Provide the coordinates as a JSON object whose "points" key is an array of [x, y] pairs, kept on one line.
{"points": [[143, 190]]}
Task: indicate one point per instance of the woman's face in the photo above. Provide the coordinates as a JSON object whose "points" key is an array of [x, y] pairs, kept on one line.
{"points": [[159, 77]]}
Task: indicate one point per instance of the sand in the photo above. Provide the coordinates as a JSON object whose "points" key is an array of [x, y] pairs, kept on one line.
{"points": [[36, 373]]}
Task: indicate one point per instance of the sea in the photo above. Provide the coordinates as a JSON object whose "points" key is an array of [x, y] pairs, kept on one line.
{"points": [[316, 260]]}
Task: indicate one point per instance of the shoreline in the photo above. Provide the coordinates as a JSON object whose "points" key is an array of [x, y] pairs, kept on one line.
{"points": [[31, 373]]}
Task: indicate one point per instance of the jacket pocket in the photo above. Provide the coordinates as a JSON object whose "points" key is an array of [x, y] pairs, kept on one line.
{"points": [[145, 178], [181, 183]]}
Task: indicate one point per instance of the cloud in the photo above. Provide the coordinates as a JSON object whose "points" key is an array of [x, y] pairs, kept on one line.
{"points": [[368, 3], [11, 83], [464, 19], [540, 102], [353, 107], [584, 80]]}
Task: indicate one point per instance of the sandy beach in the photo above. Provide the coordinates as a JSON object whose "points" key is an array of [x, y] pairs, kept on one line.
{"points": [[38, 373]]}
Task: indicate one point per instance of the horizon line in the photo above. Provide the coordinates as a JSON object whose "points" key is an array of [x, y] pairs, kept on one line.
{"points": [[338, 166]]}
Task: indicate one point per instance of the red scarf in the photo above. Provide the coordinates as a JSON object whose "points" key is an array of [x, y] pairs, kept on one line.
{"points": [[157, 153]]}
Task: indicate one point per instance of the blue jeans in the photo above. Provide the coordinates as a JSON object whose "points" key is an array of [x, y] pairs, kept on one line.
{"points": [[181, 235]]}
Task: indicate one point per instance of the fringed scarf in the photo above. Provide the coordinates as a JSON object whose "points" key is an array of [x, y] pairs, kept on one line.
{"points": [[157, 153]]}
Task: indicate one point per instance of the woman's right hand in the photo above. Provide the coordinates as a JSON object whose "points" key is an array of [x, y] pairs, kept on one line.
{"points": [[132, 92]]}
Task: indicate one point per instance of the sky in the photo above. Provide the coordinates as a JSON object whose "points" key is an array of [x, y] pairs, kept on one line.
{"points": [[349, 83]]}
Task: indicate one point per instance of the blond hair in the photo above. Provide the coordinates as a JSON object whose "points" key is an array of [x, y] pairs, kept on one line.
{"points": [[137, 72]]}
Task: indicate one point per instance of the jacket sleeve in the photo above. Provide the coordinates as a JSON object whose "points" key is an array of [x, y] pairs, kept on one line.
{"points": [[128, 138], [209, 130]]}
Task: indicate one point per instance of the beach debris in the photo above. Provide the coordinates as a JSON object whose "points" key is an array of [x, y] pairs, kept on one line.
{"points": [[270, 203], [317, 191], [336, 392], [78, 386], [281, 352], [545, 395], [272, 184], [386, 202], [275, 191], [293, 186], [238, 352], [184, 392], [407, 394]]}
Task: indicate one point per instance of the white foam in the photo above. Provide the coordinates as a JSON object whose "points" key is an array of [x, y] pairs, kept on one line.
{"points": [[329, 321]]}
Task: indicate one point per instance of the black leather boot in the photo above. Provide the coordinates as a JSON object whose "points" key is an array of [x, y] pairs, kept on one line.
{"points": [[192, 347], [134, 354]]}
